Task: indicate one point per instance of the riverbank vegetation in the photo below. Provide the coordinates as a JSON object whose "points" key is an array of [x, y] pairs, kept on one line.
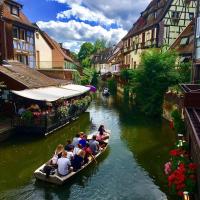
{"points": [[89, 75], [157, 71]]}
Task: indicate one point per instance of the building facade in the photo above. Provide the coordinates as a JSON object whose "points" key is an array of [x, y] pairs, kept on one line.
{"points": [[158, 26], [100, 61], [52, 59], [17, 34]]}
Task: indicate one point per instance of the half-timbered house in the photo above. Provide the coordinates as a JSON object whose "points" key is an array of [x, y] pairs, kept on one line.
{"points": [[159, 25], [100, 61], [17, 34]]}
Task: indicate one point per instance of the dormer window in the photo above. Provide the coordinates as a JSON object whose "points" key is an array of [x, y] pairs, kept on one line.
{"points": [[14, 10], [191, 15], [184, 41]]}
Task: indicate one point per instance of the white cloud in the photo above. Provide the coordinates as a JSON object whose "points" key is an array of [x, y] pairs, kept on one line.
{"points": [[72, 33], [75, 33], [123, 12], [80, 12]]}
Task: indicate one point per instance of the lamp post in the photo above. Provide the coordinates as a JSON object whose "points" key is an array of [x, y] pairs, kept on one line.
{"points": [[186, 196]]}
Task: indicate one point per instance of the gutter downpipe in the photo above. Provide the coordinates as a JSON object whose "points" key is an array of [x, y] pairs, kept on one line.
{"points": [[195, 67]]}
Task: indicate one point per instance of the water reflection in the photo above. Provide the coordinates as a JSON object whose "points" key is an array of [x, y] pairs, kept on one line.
{"points": [[130, 169]]}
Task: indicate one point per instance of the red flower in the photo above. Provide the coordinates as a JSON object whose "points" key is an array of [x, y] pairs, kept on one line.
{"points": [[175, 152], [192, 166], [180, 193]]}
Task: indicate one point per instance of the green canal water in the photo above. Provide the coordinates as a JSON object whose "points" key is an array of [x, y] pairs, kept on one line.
{"points": [[131, 168]]}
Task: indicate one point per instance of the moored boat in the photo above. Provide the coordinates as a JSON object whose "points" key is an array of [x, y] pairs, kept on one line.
{"points": [[106, 92], [59, 180]]}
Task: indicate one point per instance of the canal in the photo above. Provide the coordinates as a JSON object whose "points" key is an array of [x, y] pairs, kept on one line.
{"points": [[132, 168]]}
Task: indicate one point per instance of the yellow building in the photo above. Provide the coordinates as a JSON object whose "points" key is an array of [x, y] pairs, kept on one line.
{"points": [[159, 25]]}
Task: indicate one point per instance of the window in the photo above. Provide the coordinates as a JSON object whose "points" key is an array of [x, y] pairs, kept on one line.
{"points": [[191, 15], [175, 15], [22, 34], [14, 10], [37, 35], [38, 59], [15, 32], [184, 41], [135, 65], [22, 58]]}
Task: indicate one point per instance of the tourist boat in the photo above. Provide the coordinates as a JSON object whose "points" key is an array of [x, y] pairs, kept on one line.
{"points": [[59, 180], [51, 117], [106, 92]]}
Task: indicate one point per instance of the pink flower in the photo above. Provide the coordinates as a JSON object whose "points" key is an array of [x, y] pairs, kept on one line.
{"points": [[168, 169]]}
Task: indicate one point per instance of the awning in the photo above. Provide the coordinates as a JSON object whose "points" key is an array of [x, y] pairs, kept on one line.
{"points": [[79, 88], [49, 93]]}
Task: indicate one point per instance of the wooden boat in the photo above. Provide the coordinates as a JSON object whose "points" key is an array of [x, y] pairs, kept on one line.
{"points": [[59, 180]]}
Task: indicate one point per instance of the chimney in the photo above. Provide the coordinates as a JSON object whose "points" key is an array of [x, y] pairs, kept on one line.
{"points": [[61, 45]]}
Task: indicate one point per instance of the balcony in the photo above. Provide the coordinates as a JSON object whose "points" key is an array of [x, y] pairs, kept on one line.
{"points": [[22, 46]]}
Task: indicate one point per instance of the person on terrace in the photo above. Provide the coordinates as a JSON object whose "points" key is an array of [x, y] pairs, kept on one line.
{"points": [[34, 108], [21, 110]]}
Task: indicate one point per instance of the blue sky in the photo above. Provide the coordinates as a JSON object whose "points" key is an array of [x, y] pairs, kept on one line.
{"points": [[73, 22]]}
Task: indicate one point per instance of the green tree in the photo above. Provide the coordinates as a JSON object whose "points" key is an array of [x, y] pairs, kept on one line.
{"points": [[99, 45], [156, 73], [95, 80], [86, 63], [86, 51], [184, 70], [112, 85]]}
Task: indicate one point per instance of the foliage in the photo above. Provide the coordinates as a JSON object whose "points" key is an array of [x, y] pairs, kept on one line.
{"points": [[90, 77], [76, 77], [112, 85], [179, 124], [94, 80], [126, 74], [27, 116], [99, 45], [86, 62], [180, 171], [63, 111], [86, 51], [126, 93], [184, 70], [156, 73]]}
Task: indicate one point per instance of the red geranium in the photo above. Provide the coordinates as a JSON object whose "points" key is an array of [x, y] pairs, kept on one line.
{"points": [[192, 166], [176, 152]]}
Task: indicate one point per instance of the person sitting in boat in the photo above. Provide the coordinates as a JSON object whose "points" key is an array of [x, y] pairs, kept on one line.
{"points": [[83, 140], [101, 129], [88, 153], [64, 165], [101, 137], [76, 140], [57, 154], [78, 159], [69, 146], [77, 149], [94, 145]]}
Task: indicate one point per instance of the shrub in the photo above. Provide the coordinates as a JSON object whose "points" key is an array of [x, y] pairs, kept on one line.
{"points": [[179, 124]]}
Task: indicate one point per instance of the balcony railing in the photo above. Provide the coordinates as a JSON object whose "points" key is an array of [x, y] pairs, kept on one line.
{"points": [[22, 45]]}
